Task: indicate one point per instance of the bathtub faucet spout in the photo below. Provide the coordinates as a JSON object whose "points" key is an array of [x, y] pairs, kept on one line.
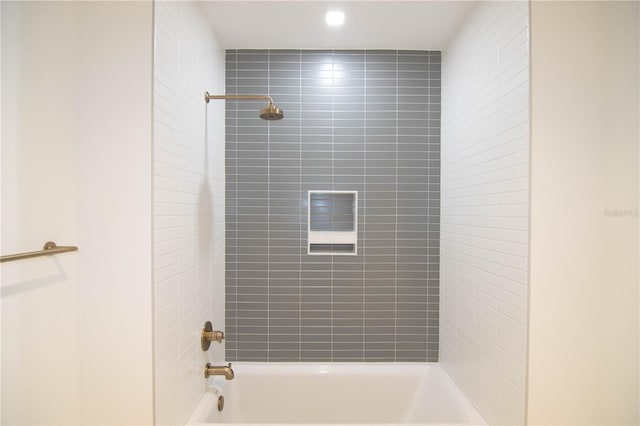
{"points": [[225, 371]]}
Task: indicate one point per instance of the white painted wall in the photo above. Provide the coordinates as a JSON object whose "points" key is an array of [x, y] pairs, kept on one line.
{"points": [[189, 223], [40, 200], [114, 140], [583, 357], [76, 169], [484, 215]]}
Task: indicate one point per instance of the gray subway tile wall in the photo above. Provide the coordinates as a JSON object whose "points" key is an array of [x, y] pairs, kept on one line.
{"points": [[354, 120]]}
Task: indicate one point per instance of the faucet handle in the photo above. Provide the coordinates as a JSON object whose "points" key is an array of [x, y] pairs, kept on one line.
{"points": [[208, 335]]}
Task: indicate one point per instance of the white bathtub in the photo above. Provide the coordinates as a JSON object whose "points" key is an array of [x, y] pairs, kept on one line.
{"points": [[314, 394]]}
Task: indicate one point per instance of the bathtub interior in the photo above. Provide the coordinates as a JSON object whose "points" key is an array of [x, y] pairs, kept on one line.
{"points": [[336, 394]]}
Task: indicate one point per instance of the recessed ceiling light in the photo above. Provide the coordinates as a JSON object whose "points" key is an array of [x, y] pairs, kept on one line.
{"points": [[334, 18]]}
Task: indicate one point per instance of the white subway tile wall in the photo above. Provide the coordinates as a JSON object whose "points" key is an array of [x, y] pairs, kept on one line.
{"points": [[188, 208], [367, 121], [485, 208]]}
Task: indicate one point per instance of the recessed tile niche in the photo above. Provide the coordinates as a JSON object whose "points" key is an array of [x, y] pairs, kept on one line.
{"points": [[332, 218]]}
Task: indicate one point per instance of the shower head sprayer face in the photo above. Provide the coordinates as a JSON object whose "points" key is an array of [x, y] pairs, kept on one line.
{"points": [[271, 112]]}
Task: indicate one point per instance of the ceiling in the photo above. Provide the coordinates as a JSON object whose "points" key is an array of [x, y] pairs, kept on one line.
{"points": [[420, 25]]}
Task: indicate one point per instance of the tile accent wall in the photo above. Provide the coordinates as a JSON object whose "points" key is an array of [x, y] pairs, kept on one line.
{"points": [[188, 208], [485, 210], [354, 120]]}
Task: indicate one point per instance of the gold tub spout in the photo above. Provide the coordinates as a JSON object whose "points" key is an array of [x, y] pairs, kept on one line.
{"points": [[225, 371]]}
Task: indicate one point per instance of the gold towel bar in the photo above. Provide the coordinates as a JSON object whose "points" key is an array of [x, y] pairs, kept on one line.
{"points": [[49, 248]]}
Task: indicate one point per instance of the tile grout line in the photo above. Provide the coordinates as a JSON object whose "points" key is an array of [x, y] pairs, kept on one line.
{"points": [[301, 212], [236, 212], [429, 221], [395, 271], [333, 132], [364, 218], [268, 214]]}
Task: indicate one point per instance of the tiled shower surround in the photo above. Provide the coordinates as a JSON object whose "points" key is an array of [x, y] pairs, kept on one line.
{"points": [[367, 121], [485, 210]]}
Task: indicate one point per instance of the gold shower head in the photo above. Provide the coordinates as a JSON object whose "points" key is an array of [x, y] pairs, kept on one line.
{"points": [[270, 112]]}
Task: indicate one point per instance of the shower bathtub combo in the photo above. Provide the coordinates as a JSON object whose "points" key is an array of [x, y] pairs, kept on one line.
{"points": [[328, 394]]}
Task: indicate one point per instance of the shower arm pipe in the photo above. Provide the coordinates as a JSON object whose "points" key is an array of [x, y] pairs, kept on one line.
{"points": [[208, 97]]}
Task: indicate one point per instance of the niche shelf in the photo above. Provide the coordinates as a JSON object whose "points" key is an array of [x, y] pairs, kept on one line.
{"points": [[332, 223]]}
